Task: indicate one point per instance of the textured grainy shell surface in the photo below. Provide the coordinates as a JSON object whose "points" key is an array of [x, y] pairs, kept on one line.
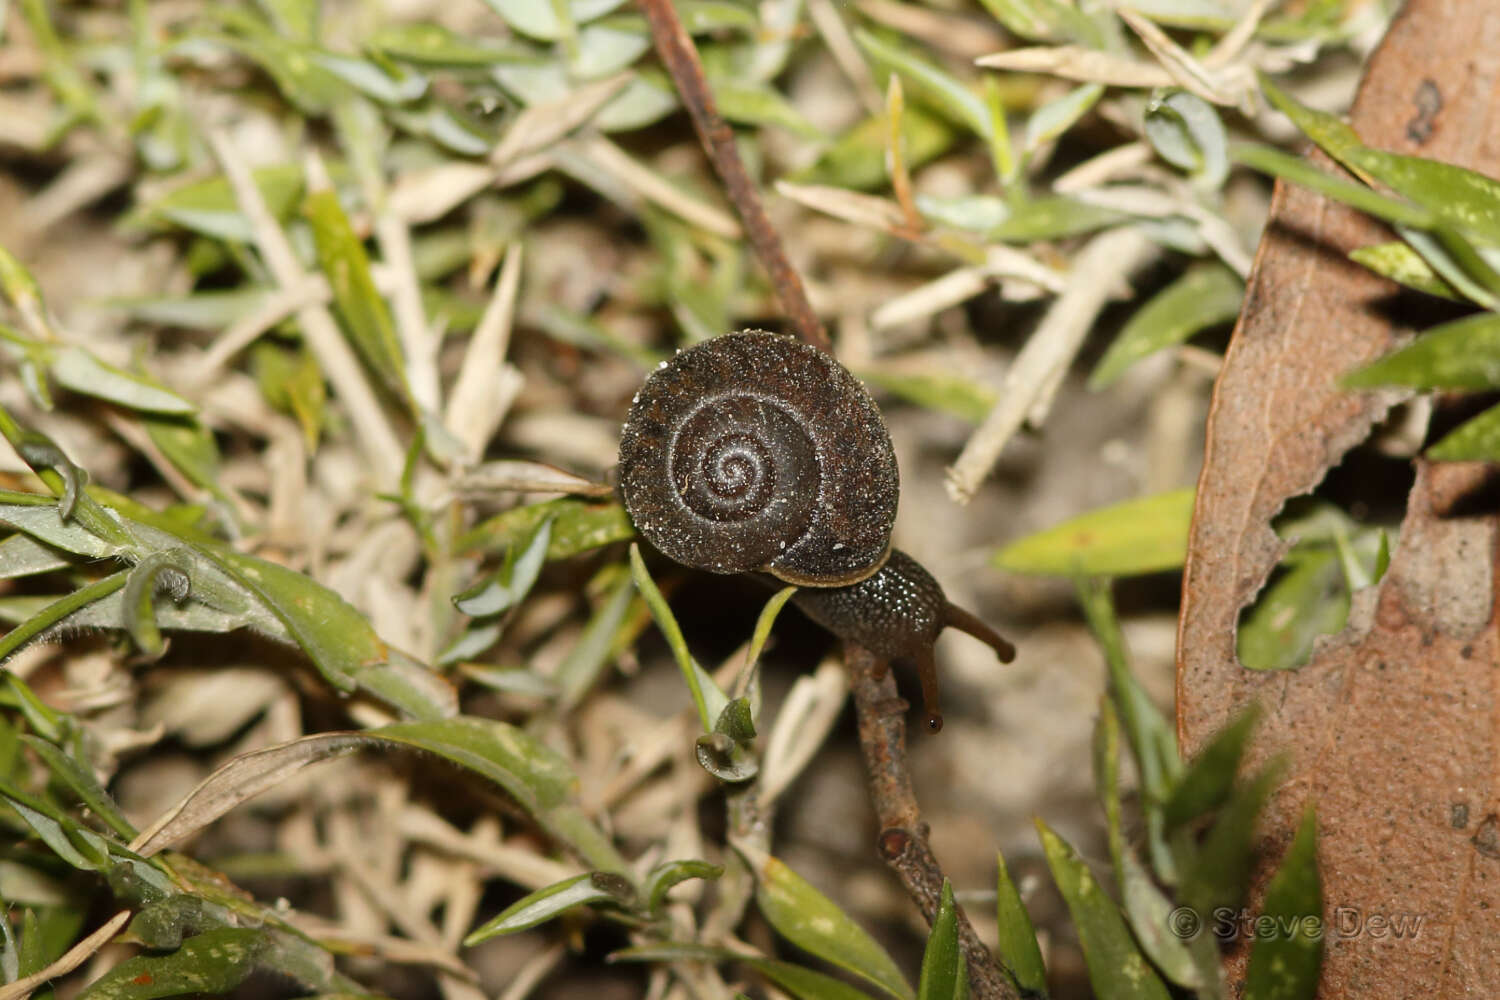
{"points": [[754, 451]]}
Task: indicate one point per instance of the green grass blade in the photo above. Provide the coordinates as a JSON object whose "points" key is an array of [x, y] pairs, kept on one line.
{"points": [[1205, 296], [1117, 969], [945, 975], [814, 923], [553, 901], [667, 622], [1145, 535], [1018, 948], [1284, 964]]}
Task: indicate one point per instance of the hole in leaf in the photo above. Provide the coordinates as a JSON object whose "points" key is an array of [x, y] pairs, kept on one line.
{"points": [[1341, 536]]}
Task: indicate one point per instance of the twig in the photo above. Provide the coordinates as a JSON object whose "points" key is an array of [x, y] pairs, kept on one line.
{"points": [[681, 59], [903, 835]]}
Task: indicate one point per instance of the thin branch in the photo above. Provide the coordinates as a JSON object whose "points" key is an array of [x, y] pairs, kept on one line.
{"points": [[681, 59], [903, 836], [882, 730]]}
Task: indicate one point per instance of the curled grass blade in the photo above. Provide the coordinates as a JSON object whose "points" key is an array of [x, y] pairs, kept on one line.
{"points": [[553, 901]]}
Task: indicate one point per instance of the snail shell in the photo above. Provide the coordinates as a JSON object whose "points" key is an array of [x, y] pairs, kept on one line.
{"points": [[754, 451]]}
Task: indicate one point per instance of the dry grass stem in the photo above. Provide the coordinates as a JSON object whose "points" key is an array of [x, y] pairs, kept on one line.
{"points": [[381, 447], [655, 188], [71, 959], [477, 404], [1099, 269]]}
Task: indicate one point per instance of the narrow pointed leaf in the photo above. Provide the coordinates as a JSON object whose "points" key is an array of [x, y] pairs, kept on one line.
{"points": [[1117, 969], [577, 526], [1018, 948], [1219, 872], [510, 586], [805, 983], [1284, 964], [1399, 262], [83, 784], [814, 923], [665, 621], [544, 904], [1463, 354], [1146, 535], [210, 207], [1299, 170], [1210, 777], [1147, 910], [1205, 296], [1463, 198], [343, 260], [80, 371], [1476, 440], [945, 974], [934, 85], [1279, 629]]}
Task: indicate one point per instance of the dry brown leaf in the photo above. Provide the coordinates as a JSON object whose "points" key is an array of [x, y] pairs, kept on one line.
{"points": [[242, 778], [1390, 730], [515, 475]]}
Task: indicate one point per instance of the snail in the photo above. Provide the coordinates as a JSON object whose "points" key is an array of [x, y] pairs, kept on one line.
{"points": [[756, 453]]}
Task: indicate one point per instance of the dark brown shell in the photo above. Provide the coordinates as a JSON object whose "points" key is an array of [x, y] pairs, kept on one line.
{"points": [[754, 451]]}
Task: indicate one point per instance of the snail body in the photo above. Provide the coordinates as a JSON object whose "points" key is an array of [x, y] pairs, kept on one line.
{"points": [[756, 453]]}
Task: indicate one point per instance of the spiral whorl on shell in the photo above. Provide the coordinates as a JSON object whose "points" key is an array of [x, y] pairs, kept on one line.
{"points": [[754, 451]]}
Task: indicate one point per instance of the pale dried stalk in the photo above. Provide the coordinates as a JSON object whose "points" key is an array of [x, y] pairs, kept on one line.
{"points": [[312, 289], [1101, 266], [524, 867], [417, 341], [532, 971], [1074, 62], [654, 188], [825, 17], [477, 404], [373, 431], [72, 959], [84, 182]]}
